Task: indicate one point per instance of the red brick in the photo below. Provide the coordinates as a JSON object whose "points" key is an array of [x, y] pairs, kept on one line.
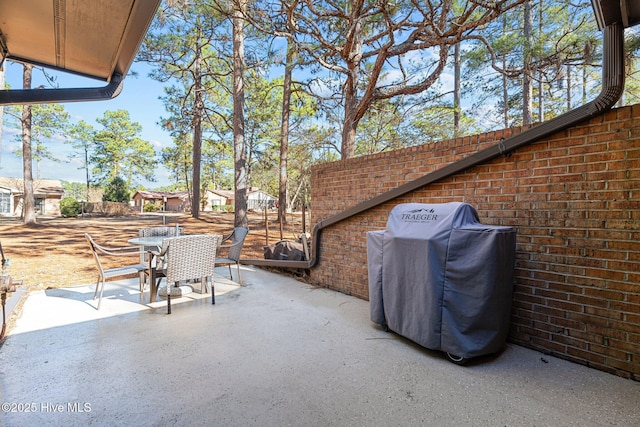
{"points": [[568, 341], [574, 200]]}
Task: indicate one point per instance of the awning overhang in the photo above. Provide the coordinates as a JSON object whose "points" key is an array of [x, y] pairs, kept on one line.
{"points": [[624, 12], [92, 38]]}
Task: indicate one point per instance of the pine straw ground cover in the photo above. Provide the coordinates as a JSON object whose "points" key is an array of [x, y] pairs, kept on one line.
{"points": [[54, 253]]}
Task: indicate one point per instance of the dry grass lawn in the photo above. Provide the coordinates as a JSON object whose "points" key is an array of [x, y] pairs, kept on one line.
{"points": [[54, 253]]}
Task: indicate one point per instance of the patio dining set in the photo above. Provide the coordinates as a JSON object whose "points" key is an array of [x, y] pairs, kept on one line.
{"points": [[186, 261]]}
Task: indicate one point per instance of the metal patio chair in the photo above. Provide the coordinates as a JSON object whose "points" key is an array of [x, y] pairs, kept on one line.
{"points": [[188, 259], [105, 274], [233, 250]]}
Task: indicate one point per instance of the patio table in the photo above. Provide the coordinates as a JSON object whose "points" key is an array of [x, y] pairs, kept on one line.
{"points": [[148, 241], [156, 243]]}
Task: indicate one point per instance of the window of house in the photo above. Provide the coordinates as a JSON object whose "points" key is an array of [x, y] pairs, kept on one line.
{"points": [[40, 205], [5, 203]]}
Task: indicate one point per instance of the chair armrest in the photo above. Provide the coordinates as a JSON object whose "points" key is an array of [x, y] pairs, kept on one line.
{"points": [[224, 239], [126, 249], [120, 251], [232, 245], [231, 251]]}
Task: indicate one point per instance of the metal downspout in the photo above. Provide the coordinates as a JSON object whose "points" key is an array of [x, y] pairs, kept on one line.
{"points": [[612, 88]]}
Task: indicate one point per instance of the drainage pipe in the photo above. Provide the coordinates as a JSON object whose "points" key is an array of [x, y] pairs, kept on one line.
{"points": [[612, 87]]}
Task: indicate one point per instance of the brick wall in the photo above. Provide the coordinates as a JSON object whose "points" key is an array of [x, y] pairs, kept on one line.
{"points": [[574, 199]]}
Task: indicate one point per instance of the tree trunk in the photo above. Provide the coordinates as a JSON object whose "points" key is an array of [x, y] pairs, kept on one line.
{"points": [[350, 122], [28, 207], [505, 96], [197, 138], [86, 169], [505, 84], [540, 74], [284, 135], [527, 79], [456, 90], [297, 193], [585, 84], [540, 98], [352, 55], [239, 151], [569, 78]]}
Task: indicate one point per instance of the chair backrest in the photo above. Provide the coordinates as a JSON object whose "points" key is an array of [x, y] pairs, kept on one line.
{"points": [[161, 231], [237, 241], [191, 257]]}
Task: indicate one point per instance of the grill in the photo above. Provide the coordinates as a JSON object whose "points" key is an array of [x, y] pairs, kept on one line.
{"points": [[440, 278]]}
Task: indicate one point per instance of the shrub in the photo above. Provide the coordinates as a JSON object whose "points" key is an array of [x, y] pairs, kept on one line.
{"points": [[69, 207], [150, 207]]}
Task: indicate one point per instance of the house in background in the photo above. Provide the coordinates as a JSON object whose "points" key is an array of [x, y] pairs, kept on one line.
{"points": [[257, 200], [215, 199], [212, 200], [173, 201], [47, 192]]}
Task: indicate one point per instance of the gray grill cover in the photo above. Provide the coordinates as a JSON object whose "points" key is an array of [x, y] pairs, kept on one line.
{"points": [[442, 279]]}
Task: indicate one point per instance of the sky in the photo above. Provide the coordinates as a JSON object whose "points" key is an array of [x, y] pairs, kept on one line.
{"points": [[140, 96]]}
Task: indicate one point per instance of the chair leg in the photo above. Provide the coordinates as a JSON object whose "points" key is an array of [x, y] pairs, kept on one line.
{"points": [[213, 291], [100, 298], [239, 277], [95, 293], [230, 275]]}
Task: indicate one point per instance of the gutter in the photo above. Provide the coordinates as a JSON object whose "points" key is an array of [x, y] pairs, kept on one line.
{"points": [[42, 96], [612, 88]]}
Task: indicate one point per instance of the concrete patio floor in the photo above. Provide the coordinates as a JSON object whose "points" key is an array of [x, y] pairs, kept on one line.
{"points": [[275, 352]]}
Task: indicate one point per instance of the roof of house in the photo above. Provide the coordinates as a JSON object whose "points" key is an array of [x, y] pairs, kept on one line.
{"points": [[40, 186], [159, 195], [227, 194], [230, 194], [262, 193]]}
